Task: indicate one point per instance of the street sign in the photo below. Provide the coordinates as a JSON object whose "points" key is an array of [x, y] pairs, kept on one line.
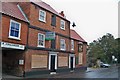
{"points": [[50, 36]]}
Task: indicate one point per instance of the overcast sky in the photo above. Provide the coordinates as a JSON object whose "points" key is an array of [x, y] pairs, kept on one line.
{"points": [[94, 18]]}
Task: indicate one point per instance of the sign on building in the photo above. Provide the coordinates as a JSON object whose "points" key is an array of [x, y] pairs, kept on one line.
{"points": [[12, 46], [50, 36]]}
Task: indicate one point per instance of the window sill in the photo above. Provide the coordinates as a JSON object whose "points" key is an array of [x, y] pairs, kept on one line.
{"points": [[63, 49], [41, 46], [14, 38], [62, 29], [42, 21]]}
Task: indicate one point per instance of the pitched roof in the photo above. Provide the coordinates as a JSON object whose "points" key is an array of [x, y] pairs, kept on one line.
{"points": [[11, 9], [48, 7], [75, 35]]}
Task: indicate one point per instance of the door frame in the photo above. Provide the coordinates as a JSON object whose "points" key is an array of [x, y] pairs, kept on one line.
{"points": [[72, 55], [52, 53]]}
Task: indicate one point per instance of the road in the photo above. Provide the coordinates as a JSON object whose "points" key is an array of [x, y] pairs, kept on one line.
{"points": [[104, 73], [92, 73]]}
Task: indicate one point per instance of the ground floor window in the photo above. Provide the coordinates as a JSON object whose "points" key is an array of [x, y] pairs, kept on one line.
{"points": [[62, 61], [39, 61], [80, 58]]}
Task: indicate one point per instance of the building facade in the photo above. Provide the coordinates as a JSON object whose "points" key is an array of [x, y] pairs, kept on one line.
{"points": [[14, 26], [45, 38], [79, 47]]}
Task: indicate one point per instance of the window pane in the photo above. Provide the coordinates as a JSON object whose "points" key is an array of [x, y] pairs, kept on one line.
{"points": [[17, 26], [14, 29], [12, 24], [12, 33], [16, 33], [41, 40], [42, 16], [62, 24], [42, 13]]}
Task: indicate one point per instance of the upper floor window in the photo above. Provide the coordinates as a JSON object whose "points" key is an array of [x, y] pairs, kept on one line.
{"points": [[72, 44], [41, 40], [80, 48], [62, 44], [42, 15], [62, 24], [53, 20], [14, 31]]}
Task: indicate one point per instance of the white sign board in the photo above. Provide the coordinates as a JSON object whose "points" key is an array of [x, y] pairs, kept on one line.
{"points": [[21, 62], [12, 45]]}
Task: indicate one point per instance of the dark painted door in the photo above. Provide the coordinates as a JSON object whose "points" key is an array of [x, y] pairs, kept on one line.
{"points": [[52, 63], [71, 63]]}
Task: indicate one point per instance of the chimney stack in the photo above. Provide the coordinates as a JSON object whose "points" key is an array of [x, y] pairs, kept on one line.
{"points": [[62, 13]]}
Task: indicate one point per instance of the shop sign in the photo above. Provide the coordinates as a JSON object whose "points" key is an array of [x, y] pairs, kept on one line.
{"points": [[50, 36], [13, 46]]}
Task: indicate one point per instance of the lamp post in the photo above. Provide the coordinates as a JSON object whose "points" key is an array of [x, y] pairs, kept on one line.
{"points": [[116, 61], [113, 58]]}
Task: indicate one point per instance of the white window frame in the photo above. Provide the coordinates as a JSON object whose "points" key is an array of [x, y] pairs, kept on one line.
{"points": [[72, 44], [13, 37], [44, 15], [52, 53], [64, 44], [63, 28], [72, 55], [43, 40]]}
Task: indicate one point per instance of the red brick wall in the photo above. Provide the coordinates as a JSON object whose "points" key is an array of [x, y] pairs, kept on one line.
{"points": [[28, 55], [26, 8], [34, 20], [33, 39], [5, 30], [32, 12], [84, 54]]}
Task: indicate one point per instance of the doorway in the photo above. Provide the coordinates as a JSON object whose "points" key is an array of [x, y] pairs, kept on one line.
{"points": [[52, 62], [71, 61]]}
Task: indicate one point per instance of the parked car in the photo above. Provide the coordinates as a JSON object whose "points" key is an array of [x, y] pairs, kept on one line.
{"points": [[103, 65]]}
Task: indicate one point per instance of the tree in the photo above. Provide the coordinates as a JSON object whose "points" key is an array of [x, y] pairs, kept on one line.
{"points": [[103, 48]]}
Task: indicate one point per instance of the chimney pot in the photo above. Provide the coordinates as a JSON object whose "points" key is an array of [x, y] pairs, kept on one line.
{"points": [[62, 13]]}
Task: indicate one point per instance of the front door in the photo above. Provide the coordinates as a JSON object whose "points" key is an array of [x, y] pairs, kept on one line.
{"points": [[71, 63], [52, 67]]}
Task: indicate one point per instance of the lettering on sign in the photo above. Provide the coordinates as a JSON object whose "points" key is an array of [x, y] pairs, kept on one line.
{"points": [[12, 45]]}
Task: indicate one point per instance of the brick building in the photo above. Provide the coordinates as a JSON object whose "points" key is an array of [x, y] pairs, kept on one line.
{"points": [[14, 26], [79, 48], [45, 36]]}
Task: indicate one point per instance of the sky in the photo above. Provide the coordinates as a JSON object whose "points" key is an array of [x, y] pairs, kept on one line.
{"points": [[93, 18]]}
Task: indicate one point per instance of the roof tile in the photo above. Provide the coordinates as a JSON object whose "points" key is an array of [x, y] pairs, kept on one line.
{"points": [[48, 7], [76, 36], [11, 9]]}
